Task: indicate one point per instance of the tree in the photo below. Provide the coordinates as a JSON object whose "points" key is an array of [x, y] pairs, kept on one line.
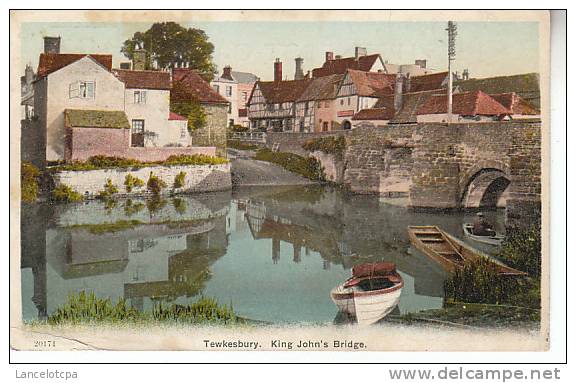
{"points": [[193, 111], [170, 44]]}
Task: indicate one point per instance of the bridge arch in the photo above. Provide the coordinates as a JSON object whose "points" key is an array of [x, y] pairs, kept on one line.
{"points": [[484, 185]]}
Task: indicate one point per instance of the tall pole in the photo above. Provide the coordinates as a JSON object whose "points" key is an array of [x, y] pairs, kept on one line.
{"points": [[451, 56]]}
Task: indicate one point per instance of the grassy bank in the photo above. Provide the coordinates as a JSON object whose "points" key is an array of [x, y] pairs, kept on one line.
{"points": [[239, 145], [308, 167]]}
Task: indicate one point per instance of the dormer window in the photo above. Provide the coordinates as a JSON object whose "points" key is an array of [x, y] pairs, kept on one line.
{"points": [[82, 89], [139, 97]]}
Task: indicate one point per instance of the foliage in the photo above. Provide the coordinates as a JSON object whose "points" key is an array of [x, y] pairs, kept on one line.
{"points": [[109, 190], [131, 182], [86, 308], [131, 208], [308, 167], [179, 180], [180, 205], [235, 144], [155, 204], [29, 175], [479, 282], [329, 145], [194, 111], [64, 193], [155, 184], [104, 162], [522, 249], [113, 227], [168, 44]]}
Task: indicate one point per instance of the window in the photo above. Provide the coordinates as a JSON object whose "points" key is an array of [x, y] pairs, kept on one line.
{"points": [[348, 100], [216, 88], [244, 96], [325, 126], [81, 89], [341, 101], [230, 108], [183, 131], [139, 97], [228, 91]]}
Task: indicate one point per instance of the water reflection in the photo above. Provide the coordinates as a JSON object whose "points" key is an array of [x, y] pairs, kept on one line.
{"points": [[274, 253]]}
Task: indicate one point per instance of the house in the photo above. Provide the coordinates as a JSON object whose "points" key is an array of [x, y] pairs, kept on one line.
{"points": [[227, 87], [189, 87], [246, 83], [315, 107], [83, 108], [519, 108], [419, 68], [527, 86], [27, 93], [361, 62], [272, 104]]}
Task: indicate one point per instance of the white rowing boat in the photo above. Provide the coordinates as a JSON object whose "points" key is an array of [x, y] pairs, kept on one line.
{"points": [[494, 240]]}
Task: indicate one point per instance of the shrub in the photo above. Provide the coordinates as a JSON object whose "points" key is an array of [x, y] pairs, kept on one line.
{"points": [[308, 167], [109, 190], [155, 184], [179, 180], [194, 159], [155, 204], [235, 144], [522, 249], [64, 193], [180, 205], [329, 145], [131, 182], [131, 208], [194, 111], [29, 175]]}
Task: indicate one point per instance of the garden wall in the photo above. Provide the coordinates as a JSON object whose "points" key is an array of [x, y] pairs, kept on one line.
{"points": [[199, 178]]}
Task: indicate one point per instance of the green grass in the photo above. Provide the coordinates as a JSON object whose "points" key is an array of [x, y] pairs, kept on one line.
{"points": [[64, 193], [308, 167], [235, 144], [113, 227], [104, 162], [86, 308]]}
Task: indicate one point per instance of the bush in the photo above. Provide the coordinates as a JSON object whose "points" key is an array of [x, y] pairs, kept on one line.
{"points": [[155, 184], [194, 111], [179, 180], [64, 193], [235, 144], [131, 208], [522, 249], [29, 175], [329, 145], [180, 205], [308, 167], [131, 182], [194, 159], [109, 190]]}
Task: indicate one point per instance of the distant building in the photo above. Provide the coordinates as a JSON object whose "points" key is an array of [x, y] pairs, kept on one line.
{"points": [[315, 107], [27, 93], [246, 83], [361, 61], [236, 88]]}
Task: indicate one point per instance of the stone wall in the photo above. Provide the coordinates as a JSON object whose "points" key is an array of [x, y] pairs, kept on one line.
{"points": [[199, 178], [214, 133], [292, 142], [32, 143], [84, 143]]}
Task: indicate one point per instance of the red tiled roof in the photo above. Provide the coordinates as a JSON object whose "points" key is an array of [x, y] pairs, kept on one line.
{"points": [[276, 92], [51, 62], [187, 85], [144, 79], [375, 114], [173, 116], [428, 82], [243, 112], [515, 103], [372, 84], [322, 88], [465, 104], [339, 66]]}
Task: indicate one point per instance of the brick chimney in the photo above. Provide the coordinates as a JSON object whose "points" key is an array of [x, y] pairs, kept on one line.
{"points": [[299, 74], [421, 63], [139, 59], [329, 56], [52, 44], [227, 72], [359, 52], [277, 70], [398, 89]]}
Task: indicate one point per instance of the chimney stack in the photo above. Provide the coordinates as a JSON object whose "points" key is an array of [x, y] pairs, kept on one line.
{"points": [[398, 89], [421, 63], [52, 44], [277, 70], [359, 52], [329, 56], [139, 59], [227, 72], [338, 57], [465, 74], [299, 74]]}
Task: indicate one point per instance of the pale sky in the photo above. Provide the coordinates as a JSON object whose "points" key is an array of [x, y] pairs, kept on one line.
{"points": [[485, 48]]}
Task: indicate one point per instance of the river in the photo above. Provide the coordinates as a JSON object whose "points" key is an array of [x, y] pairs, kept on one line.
{"points": [[274, 253]]}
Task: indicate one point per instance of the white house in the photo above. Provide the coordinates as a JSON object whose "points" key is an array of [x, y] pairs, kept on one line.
{"points": [[227, 87]]}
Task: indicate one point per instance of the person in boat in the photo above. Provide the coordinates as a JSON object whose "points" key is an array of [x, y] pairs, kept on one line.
{"points": [[482, 227]]}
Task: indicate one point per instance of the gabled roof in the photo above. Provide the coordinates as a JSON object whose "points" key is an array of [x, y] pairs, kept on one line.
{"points": [[81, 118], [188, 85], [176, 117], [411, 103], [244, 77], [276, 92], [475, 103], [371, 84], [428, 82], [526, 85], [144, 79], [322, 88], [51, 62], [339, 66], [375, 114], [515, 103]]}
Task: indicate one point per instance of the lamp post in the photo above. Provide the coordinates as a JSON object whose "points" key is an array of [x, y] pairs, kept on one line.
{"points": [[452, 32]]}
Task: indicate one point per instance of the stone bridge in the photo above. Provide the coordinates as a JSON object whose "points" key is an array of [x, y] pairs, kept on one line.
{"points": [[463, 165]]}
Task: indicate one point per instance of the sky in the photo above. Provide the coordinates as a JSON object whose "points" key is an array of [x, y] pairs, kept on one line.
{"points": [[484, 48]]}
